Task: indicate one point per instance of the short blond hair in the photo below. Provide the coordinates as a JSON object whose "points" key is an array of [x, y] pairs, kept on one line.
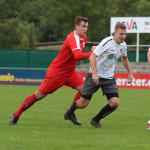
{"points": [[120, 26]]}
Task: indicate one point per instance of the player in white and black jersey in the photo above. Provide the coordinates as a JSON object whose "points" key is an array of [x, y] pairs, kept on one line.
{"points": [[103, 61]]}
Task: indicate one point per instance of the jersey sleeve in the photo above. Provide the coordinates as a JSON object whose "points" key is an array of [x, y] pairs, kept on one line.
{"points": [[99, 49], [78, 55]]}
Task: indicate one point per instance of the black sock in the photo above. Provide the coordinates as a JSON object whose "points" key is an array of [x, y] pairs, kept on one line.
{"points": [[106, 110], [72, 108]]}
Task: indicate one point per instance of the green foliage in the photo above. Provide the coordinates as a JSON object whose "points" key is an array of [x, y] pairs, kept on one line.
{"points": [[26, 22], [17, 34], [8, 35], [143, 8]]}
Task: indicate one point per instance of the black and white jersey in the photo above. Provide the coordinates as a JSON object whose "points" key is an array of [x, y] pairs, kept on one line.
{"points": [[108, 52]]}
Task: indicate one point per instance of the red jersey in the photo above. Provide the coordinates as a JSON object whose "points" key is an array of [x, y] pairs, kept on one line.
{"points": [[66, 61]]}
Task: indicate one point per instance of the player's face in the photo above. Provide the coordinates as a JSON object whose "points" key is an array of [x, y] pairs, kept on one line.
{"points": [[120, 35], [82, 29]]}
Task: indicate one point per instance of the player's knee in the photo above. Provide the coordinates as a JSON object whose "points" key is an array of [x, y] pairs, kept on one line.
{"points": [[82, 103], [39, 95], [114, 103]]}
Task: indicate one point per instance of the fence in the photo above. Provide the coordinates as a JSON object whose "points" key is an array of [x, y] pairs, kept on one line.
{"points": [[42, 59]]}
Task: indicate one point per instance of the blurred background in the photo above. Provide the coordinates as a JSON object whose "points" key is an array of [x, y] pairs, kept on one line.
{"points": [[23, 23], [32, 31]]}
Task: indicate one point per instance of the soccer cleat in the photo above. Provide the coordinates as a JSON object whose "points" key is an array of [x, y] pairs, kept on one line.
{"points": [[96, 123], [13, 120], [72, 118], [79, 123]]}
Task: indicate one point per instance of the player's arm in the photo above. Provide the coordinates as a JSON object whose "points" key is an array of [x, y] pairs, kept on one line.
{"points": [[93, 65], [126, 64], [81, 55], [148, 55]]}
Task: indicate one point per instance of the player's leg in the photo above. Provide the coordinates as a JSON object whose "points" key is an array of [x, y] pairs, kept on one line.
{"points": [[76, 82], [111, 92], [85, 98], [29, 101], [106, 110], [79, 104], [48, 86], [77, 96], [72, 115]]}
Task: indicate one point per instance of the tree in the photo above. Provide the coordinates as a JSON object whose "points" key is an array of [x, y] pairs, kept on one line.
{"points": [[25, 22]]}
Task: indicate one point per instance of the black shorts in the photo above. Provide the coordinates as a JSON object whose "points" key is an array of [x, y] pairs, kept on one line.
{"points": [[108, 86]]}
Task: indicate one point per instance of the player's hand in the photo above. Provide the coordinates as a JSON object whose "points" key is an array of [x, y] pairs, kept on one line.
{"points": [[95, 78], [93, 48], [130, 77]]}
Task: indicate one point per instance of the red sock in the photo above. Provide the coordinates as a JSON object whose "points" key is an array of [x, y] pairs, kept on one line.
{"points": [[29, 101], [76, 97]]}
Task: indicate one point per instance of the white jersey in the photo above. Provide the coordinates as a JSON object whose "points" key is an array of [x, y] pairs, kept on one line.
{"points": [[108, 52]]}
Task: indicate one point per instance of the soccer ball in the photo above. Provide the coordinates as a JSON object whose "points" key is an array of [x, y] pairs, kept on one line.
{"points": [[148, 125]]}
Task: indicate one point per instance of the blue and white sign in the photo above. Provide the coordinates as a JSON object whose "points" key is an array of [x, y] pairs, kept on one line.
{"points": [[21, 76]]}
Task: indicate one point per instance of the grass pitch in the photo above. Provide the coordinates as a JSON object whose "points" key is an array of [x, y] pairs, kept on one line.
{"points": [[42, 126]]}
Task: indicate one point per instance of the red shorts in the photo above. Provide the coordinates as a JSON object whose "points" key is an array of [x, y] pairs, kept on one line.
{"points": [[52, 82]]}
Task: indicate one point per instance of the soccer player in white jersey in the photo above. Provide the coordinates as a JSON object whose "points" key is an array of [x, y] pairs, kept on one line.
{"points": [[101, 75], [148, 55]]}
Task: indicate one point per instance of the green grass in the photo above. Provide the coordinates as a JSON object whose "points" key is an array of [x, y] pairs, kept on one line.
{"points": [[42, 127]]}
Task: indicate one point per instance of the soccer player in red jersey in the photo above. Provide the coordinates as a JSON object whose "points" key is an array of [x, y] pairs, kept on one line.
{"points": [[62, 70]]}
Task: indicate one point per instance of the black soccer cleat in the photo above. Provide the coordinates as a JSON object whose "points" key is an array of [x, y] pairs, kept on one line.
{"points": [[96, 123], [72, 118], [79, 123], [13, 120]]}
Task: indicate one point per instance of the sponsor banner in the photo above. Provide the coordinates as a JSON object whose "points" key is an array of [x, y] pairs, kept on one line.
{"points": [[140, 81], [35, 77], [133, 24]]}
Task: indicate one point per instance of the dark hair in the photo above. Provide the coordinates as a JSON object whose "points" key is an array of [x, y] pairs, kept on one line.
{"points": [[79, 19], [120, 26]]}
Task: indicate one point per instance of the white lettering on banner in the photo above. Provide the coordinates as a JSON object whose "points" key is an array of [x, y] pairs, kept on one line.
{"points": [[135, 82], [118, 81], [140, 80]]}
